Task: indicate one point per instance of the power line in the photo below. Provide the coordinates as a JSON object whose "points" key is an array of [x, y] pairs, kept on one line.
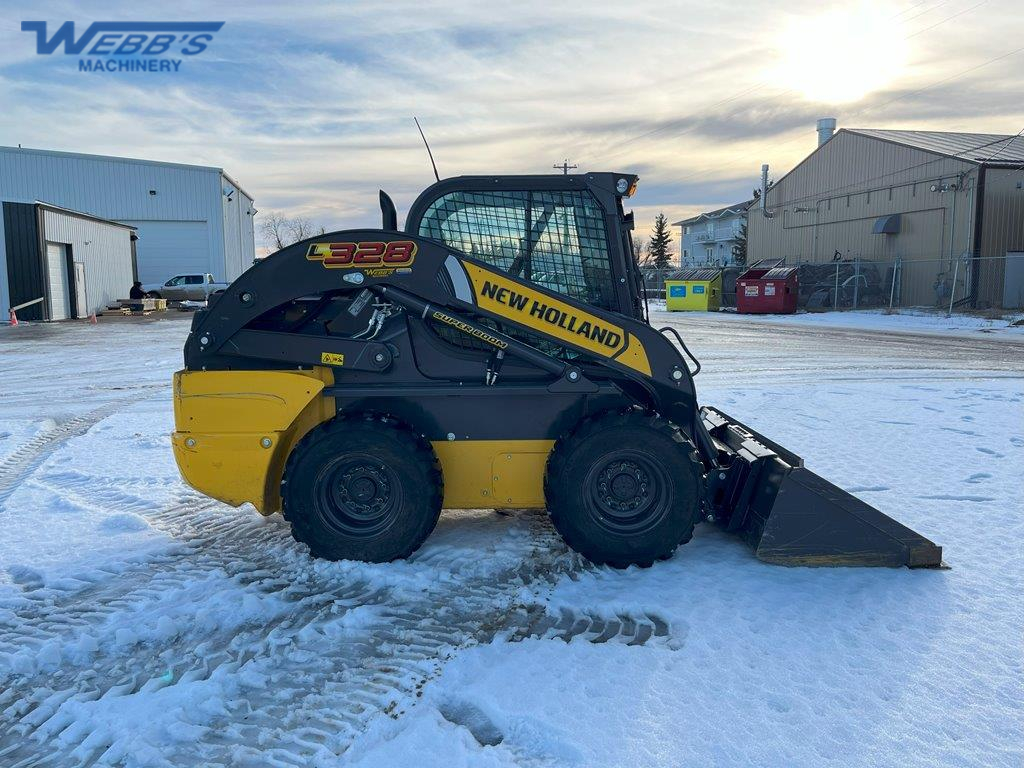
{"points": [[872, 107], [565, 167], [1009, 141], [757, 86], [837, 191], [948, 18], [922, 13]]}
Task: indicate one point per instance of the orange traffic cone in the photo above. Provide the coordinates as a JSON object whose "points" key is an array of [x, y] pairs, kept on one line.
{"points": [[14, 318], [92, 318]]}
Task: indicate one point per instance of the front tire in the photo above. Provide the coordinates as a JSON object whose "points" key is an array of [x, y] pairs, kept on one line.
{"points": [[624, 489], [362, 489]]}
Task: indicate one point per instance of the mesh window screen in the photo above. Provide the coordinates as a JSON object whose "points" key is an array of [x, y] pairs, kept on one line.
{"points": [[556, 239]]}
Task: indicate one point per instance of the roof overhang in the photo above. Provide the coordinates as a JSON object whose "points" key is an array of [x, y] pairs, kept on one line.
{"points": [[80, 215]]}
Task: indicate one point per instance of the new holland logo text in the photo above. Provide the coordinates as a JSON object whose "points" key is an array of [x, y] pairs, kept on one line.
{"points": [[127, 46], [553, 315], [371, 255]]}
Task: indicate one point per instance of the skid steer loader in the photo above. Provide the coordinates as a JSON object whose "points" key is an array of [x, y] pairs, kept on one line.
{"points": [[495, 353]]}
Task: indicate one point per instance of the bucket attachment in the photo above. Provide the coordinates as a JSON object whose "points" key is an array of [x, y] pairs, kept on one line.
{"points": [[791, 516]]}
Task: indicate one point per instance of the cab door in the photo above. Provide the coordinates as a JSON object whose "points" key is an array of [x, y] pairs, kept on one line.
{"points": [[554, 238], [195, 287], [174, 289]]}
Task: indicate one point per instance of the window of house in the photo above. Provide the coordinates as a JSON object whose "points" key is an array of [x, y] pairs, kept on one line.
{"points": [[556, 239]]}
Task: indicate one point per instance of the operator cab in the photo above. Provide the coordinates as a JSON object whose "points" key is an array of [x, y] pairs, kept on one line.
{"points": [[566, 233]]}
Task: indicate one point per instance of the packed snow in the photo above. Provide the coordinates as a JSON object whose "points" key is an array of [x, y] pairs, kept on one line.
{"points": [[917, 320], [142, 624]]}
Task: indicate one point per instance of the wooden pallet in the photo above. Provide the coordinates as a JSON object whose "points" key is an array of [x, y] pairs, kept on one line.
{"points": [[143, 305]]}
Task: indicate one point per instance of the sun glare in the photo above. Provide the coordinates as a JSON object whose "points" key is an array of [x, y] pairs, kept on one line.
{"points": [[842, 55]]}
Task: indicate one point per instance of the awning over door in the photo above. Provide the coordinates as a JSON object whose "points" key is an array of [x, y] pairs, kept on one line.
{"points": [[887, 225]]}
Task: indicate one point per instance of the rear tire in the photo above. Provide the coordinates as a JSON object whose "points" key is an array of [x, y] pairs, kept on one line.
{"points": [[624, 489], [362, 489]]}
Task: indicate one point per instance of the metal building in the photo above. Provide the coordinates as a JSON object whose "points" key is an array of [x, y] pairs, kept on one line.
{"points": [[189, 218], [63, 264], [932, 214]]}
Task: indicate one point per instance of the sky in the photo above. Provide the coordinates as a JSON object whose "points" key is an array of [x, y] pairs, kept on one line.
{"points": [[309, 107]]}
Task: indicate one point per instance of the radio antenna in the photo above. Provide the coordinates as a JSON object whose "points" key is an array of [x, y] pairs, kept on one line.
{"points": [[429, 153]]}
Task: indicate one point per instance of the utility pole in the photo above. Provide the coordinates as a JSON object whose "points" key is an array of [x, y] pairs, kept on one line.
{"points": [[565, 167]]}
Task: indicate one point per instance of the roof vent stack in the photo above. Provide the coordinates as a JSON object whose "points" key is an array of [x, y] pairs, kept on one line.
{"points": [[826, 127]]}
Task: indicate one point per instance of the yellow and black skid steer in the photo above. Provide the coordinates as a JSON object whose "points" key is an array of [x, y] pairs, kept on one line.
{"points": [[495, 353]]}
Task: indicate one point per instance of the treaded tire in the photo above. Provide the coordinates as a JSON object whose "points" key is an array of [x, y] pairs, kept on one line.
{"points": [[624, 488], [362, 488]]}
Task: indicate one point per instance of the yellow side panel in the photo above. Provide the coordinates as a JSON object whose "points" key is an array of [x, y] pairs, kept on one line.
{"points": [[493, 474], [635, 356], [235, 429], [557, 319]]}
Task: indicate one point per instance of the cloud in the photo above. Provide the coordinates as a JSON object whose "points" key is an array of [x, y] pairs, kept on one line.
{"points": [[310, 107]]}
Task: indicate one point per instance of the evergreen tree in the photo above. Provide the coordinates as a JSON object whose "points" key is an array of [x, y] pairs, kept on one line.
{"points": [[658, 247], [739, 251]]}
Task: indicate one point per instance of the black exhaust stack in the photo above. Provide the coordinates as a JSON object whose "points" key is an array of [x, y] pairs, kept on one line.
{"points": [[388, 213], [791, 516]]}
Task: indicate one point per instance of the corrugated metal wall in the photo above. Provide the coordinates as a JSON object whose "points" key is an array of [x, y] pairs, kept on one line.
{"points": [[831, 201], [1002, 229], [105, 249], [239, 241], [119, 189], [172, 248]]}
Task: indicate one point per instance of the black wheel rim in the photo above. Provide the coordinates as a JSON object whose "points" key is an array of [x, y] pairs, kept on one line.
{"points": [[358, 496], [628, 492]]}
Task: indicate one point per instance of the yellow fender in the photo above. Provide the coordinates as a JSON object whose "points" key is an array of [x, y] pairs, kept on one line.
{"points": [[234, 430]]}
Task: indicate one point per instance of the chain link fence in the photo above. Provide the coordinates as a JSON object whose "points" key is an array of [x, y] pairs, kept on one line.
{"points": [[944, 283]]}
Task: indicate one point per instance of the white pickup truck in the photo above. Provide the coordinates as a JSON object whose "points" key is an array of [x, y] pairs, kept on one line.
{"points": [[190, 287]]}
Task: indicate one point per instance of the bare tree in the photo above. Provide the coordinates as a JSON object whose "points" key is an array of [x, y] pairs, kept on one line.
{"points": [[300, 228], [274, 228], [640, 252], [280, 231]]}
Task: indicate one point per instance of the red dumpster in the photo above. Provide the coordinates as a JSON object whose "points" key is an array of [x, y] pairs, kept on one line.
{"points": [[768, 289]]}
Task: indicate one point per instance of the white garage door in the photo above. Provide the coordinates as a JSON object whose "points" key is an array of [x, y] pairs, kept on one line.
{"points": [[169, 248], [57, 277]]}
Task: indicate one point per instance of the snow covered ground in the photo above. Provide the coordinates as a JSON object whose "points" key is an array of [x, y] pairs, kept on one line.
{"points": [[916, 320], [141, 624]]}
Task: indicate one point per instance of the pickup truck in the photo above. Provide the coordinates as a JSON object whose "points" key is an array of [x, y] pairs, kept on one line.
{"points": [[190, 287]]}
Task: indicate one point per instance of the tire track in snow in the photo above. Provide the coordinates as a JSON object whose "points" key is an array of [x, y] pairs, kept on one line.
{"points": [[22, 462], [569, 624], [331, 680], [309, 668]]}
